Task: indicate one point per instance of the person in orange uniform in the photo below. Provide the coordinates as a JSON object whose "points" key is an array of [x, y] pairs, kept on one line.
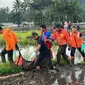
{"points": [[76, 42], [62, 37], [11, 41]]}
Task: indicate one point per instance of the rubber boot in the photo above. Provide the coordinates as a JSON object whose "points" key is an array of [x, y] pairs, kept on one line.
{"points": [[69, 61], [57, 68], [71, 64]]}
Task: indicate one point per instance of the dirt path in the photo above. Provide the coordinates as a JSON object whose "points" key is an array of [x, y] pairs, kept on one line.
{"points": [[67, 76]]}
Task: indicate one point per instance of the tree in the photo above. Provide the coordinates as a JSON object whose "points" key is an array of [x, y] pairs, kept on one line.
{"points": [[17, 9], [36, 9], [43, 11], [4, 12], [66, 10], [47, 11]]}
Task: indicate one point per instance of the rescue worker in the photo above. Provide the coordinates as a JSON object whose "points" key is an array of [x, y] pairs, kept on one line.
{"points": [[46, 37], [11, 41], [62, 37], [44, 52], [76, 42]]}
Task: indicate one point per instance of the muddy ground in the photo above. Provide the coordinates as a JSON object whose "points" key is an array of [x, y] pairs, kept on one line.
{"points": [[67, 76]]}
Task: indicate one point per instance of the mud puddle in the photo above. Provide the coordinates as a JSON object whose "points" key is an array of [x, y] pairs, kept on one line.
{"points": [[67, 76], [71, 76]]}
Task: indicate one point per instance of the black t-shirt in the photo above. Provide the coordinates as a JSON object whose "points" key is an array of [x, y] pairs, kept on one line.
{"points": [[44, 51]]}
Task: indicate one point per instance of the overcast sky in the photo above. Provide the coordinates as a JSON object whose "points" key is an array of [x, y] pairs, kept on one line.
{"points": [[6, 3]]}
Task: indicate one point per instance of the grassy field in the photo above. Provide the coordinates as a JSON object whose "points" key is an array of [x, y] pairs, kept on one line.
{"points": [[9, 69], [6, 69], [23, 38], [24, 35]]}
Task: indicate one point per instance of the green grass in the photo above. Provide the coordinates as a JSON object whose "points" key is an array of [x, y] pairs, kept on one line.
{"points": [[22, 36], [9, 69], [6, 69]]}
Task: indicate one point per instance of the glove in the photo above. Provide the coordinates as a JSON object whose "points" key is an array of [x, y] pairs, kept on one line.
{"points": [[82, 48]]}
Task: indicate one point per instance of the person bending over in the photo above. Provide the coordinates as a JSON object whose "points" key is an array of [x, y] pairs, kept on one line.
{"points": [[44, 52]]}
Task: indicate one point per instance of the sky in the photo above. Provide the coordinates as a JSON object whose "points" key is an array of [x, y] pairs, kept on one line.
{"points": [[6, 3]]}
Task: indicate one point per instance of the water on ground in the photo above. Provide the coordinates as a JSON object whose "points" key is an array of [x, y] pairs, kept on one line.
{"points": [[67, 76]]}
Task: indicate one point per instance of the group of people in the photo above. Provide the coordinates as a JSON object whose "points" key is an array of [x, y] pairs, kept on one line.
{"points": [[67, 25], [72, 39], [64, 38]]}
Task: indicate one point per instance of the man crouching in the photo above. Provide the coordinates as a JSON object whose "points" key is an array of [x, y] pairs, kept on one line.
{"points": [[44, 52]]}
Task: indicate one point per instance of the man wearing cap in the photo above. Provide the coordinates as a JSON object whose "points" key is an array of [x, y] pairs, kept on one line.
{"points": [[62, 37], [44, 52]]}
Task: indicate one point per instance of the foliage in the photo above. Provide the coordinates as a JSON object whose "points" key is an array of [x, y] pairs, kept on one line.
{"points": [[17, 12], [66, 10], [47, 11], [4, 14], [44, 11], [9, 69]]}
